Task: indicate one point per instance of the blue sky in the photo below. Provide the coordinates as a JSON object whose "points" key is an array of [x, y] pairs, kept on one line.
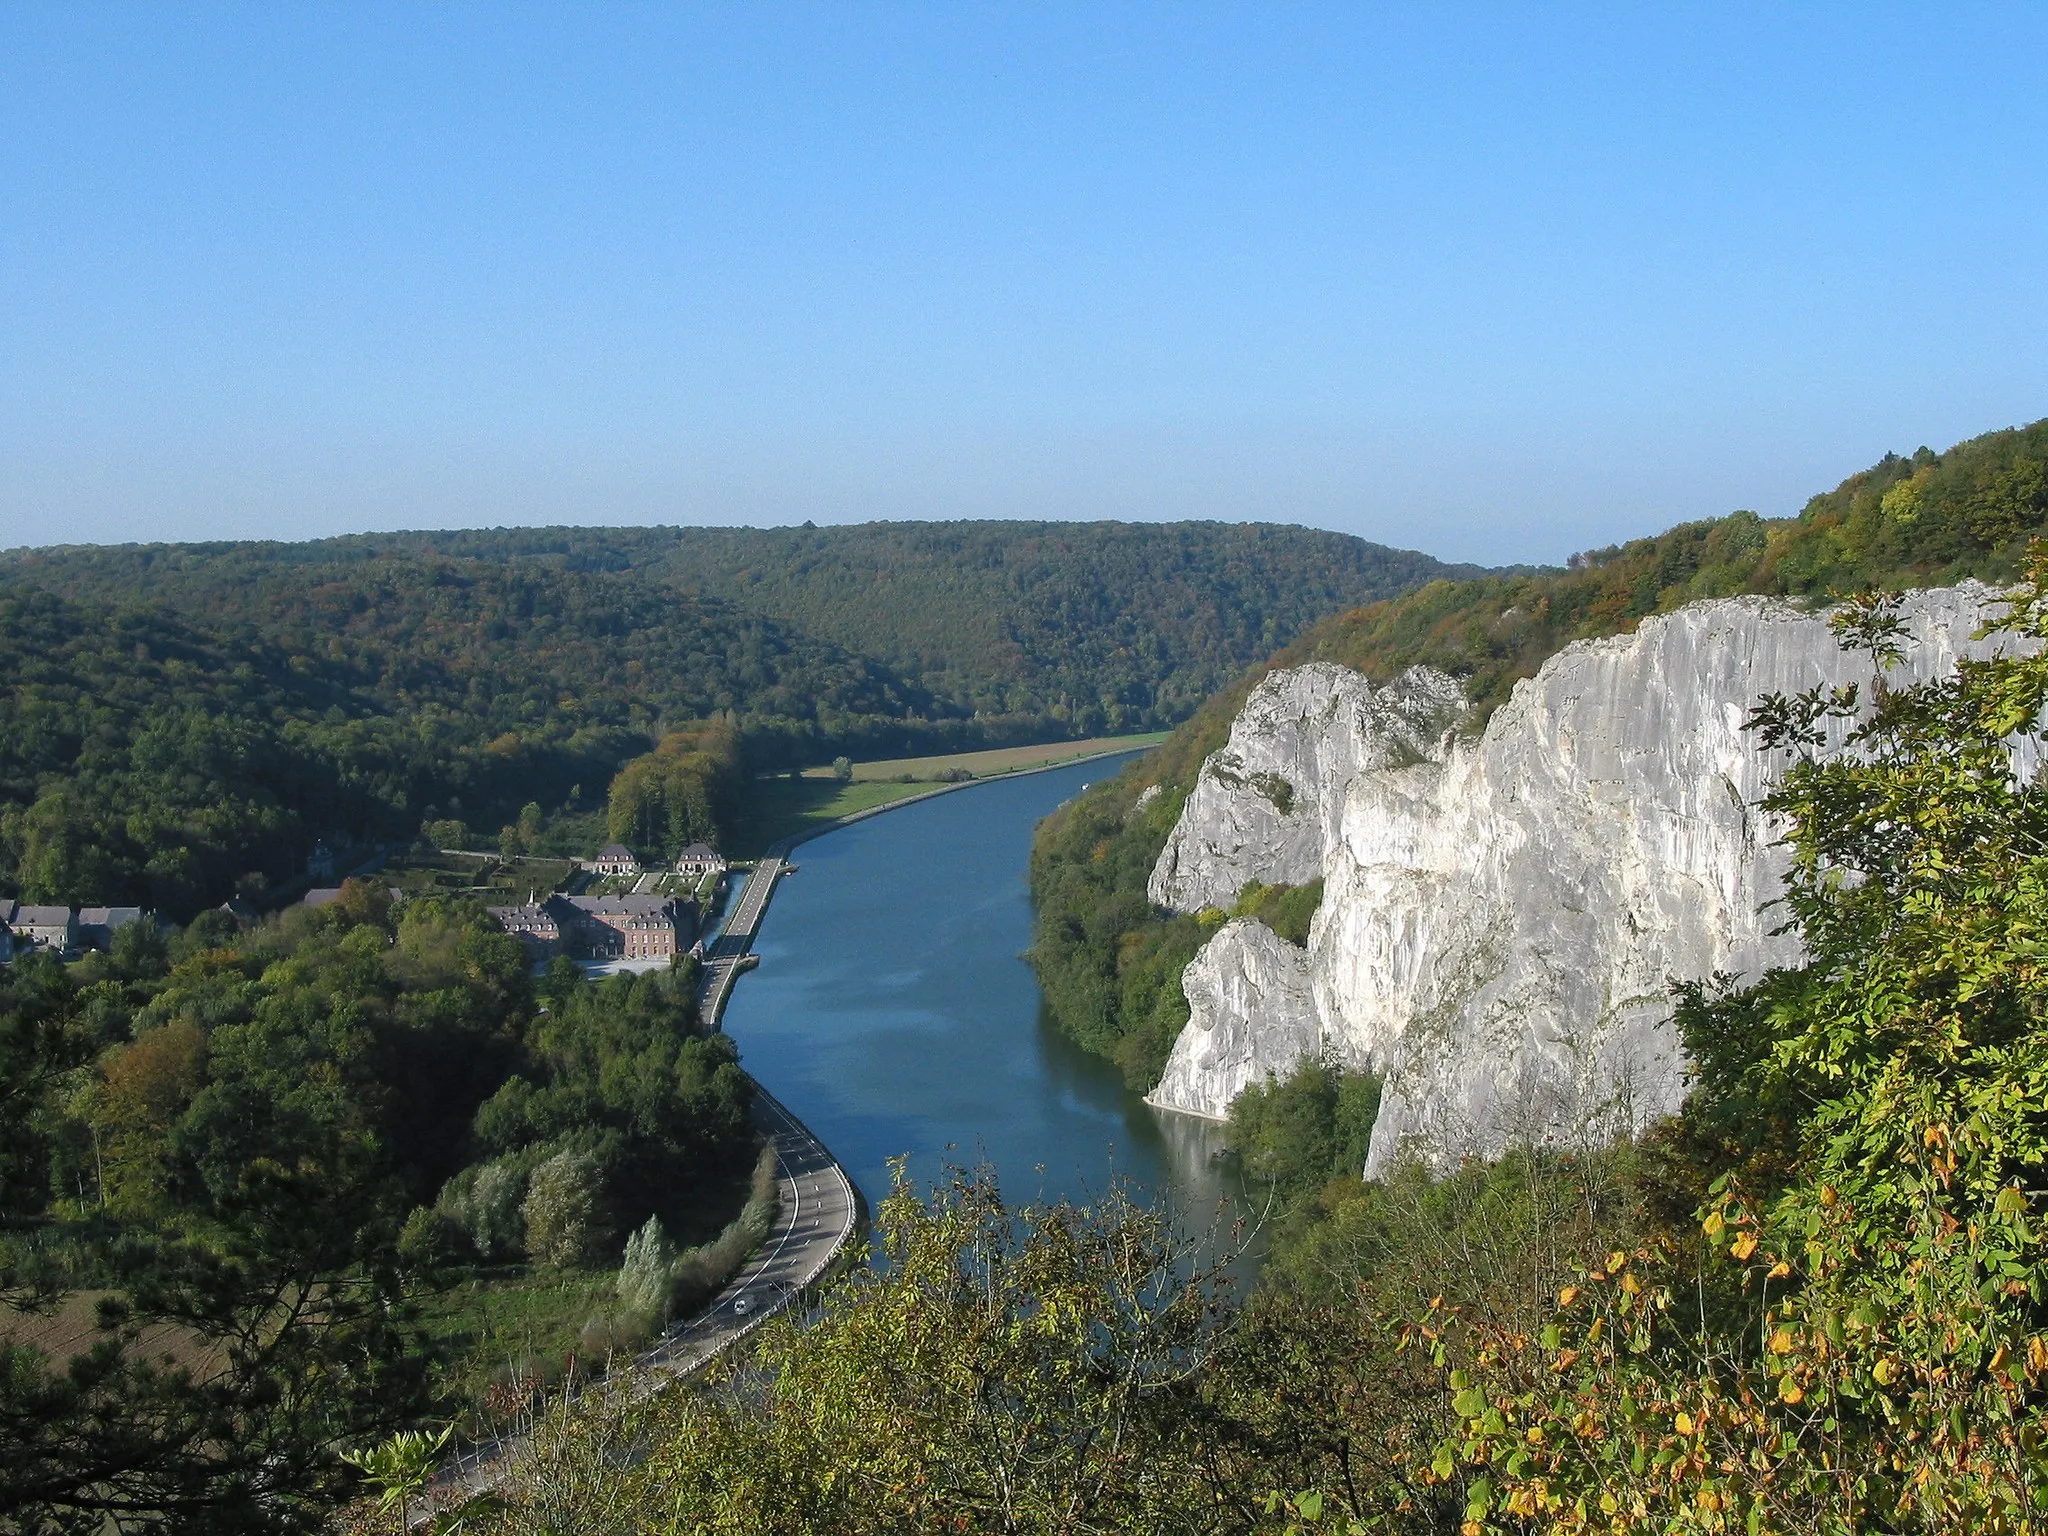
{"points": [[1498, 282]]}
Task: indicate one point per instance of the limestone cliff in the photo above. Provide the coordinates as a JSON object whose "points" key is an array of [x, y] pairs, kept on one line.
{"points": [[1502, 915]]}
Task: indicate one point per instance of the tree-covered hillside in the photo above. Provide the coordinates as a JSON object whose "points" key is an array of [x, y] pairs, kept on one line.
{"points": [[1077, 628], [262, 1150], [1110, 963], [178, 720], [147, 758]]}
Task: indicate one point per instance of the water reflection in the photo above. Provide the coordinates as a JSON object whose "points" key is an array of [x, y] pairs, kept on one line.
{"points": [[892, 1010]]}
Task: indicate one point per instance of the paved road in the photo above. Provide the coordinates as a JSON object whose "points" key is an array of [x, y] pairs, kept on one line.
{"points": [[816, 1221], [727, 955]]}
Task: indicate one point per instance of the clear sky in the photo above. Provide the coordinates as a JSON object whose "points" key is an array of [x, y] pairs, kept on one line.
{"points": [[1497, 282]]}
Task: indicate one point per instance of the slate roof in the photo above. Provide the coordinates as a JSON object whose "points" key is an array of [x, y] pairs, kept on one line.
{"points": [[623, 906], [109, 918]]}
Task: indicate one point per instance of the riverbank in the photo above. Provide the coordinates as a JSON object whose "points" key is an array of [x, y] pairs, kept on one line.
{"points": [[788, 811]]}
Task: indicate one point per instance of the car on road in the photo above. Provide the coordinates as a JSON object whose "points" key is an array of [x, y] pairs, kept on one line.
{"points": [[742, 1305]]}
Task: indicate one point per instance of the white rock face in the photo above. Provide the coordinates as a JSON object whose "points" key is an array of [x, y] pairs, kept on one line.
{"points": [[1267, 805], [1502, 918], [1253, 1014]]}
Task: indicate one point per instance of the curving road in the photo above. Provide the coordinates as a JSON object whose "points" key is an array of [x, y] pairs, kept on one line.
{"points": [[819, 1213], [817, 1220]]}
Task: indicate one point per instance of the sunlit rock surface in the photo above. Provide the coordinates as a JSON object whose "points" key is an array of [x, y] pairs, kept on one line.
{"points": [[1267, 804], [1252, 1014], [1502, 917]]}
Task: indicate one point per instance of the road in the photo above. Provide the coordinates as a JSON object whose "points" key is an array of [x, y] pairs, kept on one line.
{"points": [[816, 1221], [818, 1214], [728, 954], [819, 1211]]}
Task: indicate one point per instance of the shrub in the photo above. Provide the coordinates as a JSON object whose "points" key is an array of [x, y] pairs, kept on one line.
{"points": [[564, 1211], [484, 1205]]}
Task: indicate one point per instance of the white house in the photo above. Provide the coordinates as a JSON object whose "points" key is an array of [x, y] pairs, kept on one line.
{"points": [[616, 859], [699, 860]]}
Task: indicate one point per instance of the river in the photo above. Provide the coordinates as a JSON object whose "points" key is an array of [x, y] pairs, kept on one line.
{"points": [[892, 1010]]}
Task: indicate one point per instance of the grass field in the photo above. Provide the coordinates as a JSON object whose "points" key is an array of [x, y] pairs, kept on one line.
{"points": [[997, 760], [778, 808]]}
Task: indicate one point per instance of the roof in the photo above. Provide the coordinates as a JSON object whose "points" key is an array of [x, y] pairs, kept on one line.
{"points": [[697, 851], [7, 906], [623, 906], [108, 917], [41, 917], [616, 853], [530, 913]]}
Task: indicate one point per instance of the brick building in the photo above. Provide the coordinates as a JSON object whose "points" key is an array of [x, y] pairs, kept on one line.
{"points": [[602, 927]]}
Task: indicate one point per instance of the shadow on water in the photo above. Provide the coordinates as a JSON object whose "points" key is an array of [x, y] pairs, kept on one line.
{"points": [[892, 1010]]}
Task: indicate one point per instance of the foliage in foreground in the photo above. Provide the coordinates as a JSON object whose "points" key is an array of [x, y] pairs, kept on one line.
{"points": [[1879, 1360], [1063, 1370]]}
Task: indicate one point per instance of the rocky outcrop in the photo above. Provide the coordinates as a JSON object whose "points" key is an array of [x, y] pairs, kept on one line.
{"points": [[1252, 1014], [1502, 916], [1267, 804]]}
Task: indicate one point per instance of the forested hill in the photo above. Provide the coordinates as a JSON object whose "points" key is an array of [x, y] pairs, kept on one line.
{"points": [[176, 721], [1076, 628], [1111, 965]]}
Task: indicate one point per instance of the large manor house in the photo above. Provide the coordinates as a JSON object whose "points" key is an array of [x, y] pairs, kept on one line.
{"points": [[623, 927], [602, 927]]}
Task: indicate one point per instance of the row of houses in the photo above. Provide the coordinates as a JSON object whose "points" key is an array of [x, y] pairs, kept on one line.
{"points": [[602, 927], [699, 860], [64, 931]]}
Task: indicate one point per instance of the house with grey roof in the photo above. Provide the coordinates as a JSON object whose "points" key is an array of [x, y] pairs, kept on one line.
{"points": [[534, 925], [98, 925], [601, 927], [699, 860], [615, 859], [51, 928]]}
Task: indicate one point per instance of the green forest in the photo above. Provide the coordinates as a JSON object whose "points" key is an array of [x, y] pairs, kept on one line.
{"points": [[257, 1182], [1084, 628], [1110, 963], [182, 722]]}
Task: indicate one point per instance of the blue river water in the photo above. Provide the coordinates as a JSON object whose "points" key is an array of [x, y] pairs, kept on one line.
{"points": [[893, 1012]]}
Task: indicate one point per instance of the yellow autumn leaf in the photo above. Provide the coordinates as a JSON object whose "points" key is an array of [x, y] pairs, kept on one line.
{"points": [[1743, 1246]]}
